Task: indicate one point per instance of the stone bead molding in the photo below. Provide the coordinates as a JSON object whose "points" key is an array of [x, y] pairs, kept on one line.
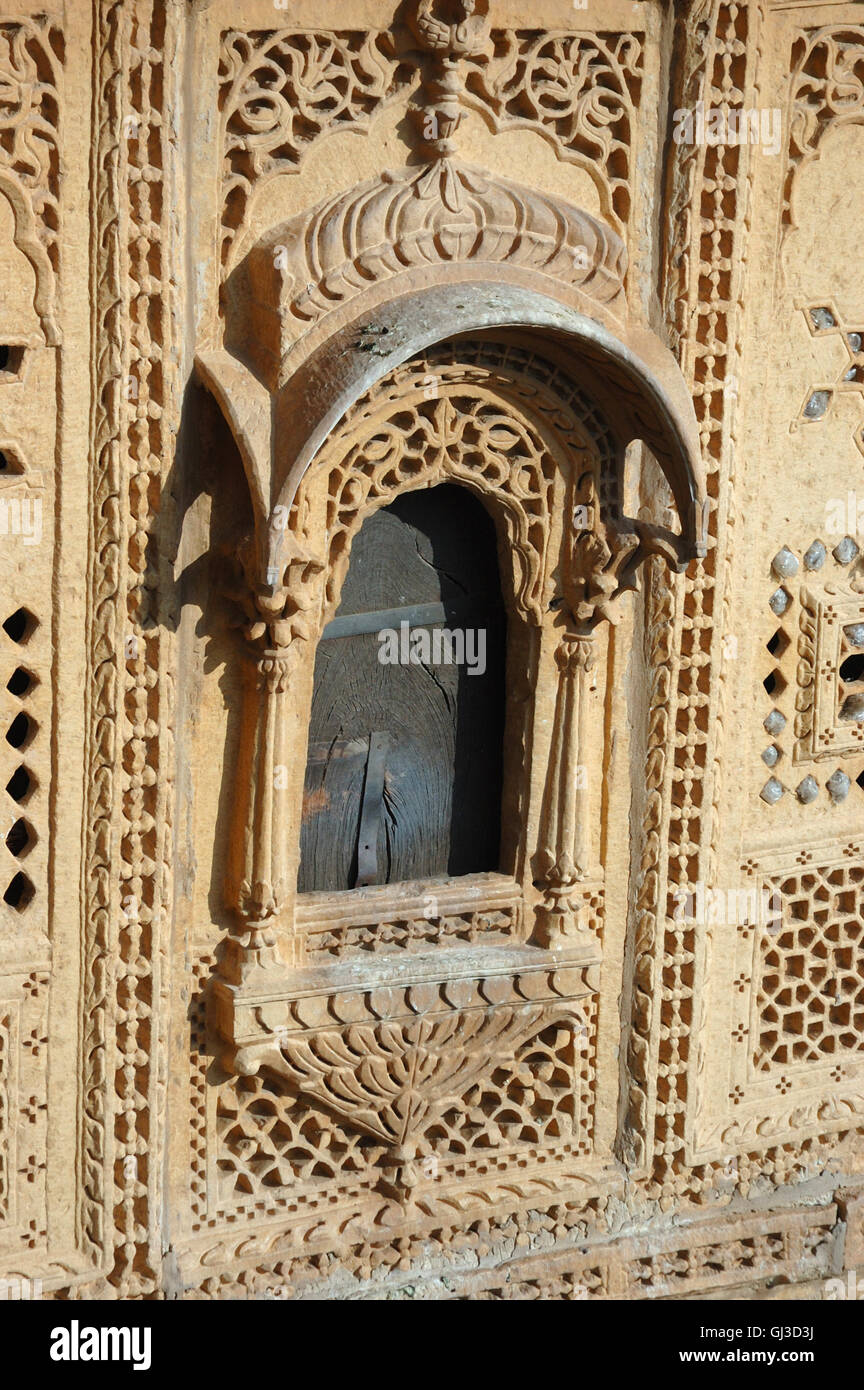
{"points": [[130, 694]]}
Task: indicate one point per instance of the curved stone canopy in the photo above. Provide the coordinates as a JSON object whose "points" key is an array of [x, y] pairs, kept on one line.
{"points": [[404, 222], [327, 303]]}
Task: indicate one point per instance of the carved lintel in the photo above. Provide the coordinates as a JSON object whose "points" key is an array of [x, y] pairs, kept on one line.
{"points": [[385, 1052]]}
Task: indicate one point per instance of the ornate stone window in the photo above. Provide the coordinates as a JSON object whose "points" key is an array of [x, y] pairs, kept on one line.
{"points": [[434, 328]]}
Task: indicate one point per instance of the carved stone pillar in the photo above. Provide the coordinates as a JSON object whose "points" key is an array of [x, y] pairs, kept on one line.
{"points": [[266, 808], [263, 894], [565, 852], [598, 570]]}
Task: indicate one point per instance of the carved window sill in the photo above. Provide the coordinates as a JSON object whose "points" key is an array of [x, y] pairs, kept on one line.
{"points": [[382, 1043], [412, 917]]}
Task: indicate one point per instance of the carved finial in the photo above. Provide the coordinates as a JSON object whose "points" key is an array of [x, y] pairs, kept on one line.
{"points": [[458, 27], [450, 30]]}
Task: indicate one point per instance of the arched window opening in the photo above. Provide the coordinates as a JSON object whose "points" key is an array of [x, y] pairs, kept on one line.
{"points": [[404, 770]]}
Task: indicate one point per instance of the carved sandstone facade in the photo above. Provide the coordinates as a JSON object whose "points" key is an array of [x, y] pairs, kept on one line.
{"points": [[267, 273]]}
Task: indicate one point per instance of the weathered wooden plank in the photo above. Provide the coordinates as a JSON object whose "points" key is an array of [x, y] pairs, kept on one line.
{"points": [[440, 799]]}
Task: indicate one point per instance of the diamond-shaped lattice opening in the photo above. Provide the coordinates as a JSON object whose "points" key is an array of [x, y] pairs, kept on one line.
{"points": [[20, 838], [774, 683], [19, 892], [20, 682], [19, 625], [777, 643], [852, 669], [20, 730], [19, 784]]}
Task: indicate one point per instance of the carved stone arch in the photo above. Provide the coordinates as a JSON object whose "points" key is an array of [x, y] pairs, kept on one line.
{"points": [[501, 422], [332, 321], [326, 304], [510, 427], [479, 421]]}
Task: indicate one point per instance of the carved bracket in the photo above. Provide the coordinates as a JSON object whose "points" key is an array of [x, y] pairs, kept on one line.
{"points": [[385, 1046]]}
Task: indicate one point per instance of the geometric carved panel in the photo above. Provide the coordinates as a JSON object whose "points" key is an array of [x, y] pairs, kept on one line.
{"points": [[832, 637], [810, 998], [262, 1148], [793, 971], [815, 673]]}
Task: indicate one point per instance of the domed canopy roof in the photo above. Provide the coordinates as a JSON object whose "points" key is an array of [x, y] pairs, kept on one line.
{"points": [[329, 301], [406, 220]]}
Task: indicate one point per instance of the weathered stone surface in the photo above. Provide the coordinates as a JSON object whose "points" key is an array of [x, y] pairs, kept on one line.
{"points": [[265, 271]]}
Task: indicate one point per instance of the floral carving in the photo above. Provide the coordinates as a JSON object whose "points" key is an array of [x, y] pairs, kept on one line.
{"points": [[580, 92], [826, 90], [282, 91], [414, 220], [463, 434], [31, 59], [388, 1057]]}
